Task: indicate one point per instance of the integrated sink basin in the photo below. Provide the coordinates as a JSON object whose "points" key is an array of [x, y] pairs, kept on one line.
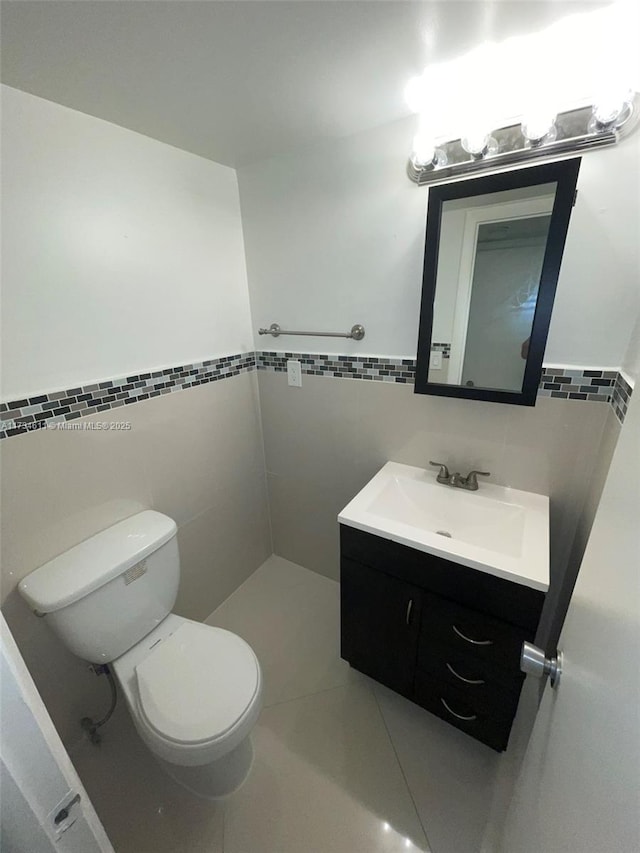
{"points": [[501, 531]]}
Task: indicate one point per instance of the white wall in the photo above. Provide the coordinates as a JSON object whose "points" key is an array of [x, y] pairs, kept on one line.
{"points": [[335, 236], [120, 253]]}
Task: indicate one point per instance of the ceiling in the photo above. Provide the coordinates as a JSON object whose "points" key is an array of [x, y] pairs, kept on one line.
{"points": [[242, 80]]}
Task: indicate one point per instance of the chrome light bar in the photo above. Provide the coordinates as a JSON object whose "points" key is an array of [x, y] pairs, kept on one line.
{"points": [[575, 131]]}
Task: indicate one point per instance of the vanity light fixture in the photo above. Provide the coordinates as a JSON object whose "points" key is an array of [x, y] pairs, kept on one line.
{"points": [[573, 131], [585, 95]]}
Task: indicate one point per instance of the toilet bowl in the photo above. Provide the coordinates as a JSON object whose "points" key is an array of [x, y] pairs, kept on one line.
{"points": [[194, 693]]}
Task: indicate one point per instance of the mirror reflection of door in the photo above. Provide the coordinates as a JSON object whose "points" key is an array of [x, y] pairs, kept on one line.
{"points": [[492, 249], [504, 289]]}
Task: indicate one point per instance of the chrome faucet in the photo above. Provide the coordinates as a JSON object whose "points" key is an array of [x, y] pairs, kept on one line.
{"points": [[470, 482]]}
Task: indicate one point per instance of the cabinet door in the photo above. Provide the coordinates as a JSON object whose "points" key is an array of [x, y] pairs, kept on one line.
{"points": [[380, 620]]}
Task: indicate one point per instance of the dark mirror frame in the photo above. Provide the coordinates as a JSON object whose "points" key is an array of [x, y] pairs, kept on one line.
{"points": [[565, 173]]}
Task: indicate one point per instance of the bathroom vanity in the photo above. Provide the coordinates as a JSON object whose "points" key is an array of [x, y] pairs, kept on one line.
{"points": [[432, 615]]}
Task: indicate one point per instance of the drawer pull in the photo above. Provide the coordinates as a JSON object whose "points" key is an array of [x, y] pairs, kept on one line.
{"points": [[458, 716], [469, 640], [409, 609], [462, 678]]}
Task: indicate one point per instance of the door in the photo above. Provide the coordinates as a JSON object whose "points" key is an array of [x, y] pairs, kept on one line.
{"points": [[44, 806], [380, 620], [579, 785], [504, 295], [503, 248]]}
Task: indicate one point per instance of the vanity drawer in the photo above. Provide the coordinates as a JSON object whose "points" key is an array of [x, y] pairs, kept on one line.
{"points": [[488, 687], [470, 633], [488, 725]]}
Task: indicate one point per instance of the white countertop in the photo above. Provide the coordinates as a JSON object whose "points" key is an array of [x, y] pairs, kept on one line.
{"points": [[501, 531]]}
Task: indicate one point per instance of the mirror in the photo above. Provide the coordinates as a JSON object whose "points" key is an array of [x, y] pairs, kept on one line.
{"points": [[492, 259]]}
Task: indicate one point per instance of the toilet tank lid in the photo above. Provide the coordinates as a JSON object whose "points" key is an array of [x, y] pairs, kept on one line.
{"points": [[94, 562]]}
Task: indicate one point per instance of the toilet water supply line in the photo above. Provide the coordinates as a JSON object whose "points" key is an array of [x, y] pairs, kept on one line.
{"points": [[87, 724]]}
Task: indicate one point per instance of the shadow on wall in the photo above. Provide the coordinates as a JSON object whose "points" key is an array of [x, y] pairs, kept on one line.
{"points": [[67, 687], [561, 591]]}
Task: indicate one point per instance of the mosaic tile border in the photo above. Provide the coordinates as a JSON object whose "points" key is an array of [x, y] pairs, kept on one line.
{"points": [[563, 383], [445, 349], [20, 416], [575, 384], [401, 370], [37, 412], [620, 397], [599, 386]]}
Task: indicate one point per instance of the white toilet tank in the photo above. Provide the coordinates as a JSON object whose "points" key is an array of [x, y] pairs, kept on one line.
{"points": [[103, 595]]}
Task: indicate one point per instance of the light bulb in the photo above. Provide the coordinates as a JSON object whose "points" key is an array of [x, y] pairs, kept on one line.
{"points": [[610, 105], [537, 125], [424, 149], [476, 142]]}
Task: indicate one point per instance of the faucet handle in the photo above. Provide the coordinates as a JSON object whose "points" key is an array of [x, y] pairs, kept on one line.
{"points": [[472, 478], [443, 473]]}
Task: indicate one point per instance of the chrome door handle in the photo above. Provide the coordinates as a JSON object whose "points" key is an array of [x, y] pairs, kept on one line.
{"points": [[534, 662], [462, 678], [458, 716], [469, 640], [409, 609]]}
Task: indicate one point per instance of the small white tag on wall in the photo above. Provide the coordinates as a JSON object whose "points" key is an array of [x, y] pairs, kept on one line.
{"points": [[294, 373]]}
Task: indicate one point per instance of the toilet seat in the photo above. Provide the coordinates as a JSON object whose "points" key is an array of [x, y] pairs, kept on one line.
{"points": [[195, 686], [203, 663]]}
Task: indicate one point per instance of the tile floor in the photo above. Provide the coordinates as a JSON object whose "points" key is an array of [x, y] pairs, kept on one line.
{"points": [[342, 764]]}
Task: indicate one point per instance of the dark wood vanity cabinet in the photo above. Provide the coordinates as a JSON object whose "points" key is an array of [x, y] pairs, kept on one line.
{"points": [[380, 625], [443, 635]]}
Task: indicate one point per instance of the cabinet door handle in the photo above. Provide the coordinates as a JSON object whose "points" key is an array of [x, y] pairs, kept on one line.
{"points": [[409, 609], [462, 678], [458, 716], [469, 640]]}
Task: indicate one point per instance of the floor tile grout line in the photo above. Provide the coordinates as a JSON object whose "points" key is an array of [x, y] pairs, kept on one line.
{"points": [[406, 782], [315, 693], [288, 586]]}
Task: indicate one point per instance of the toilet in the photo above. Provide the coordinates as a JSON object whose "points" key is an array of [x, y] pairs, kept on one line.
{"points": [[194, 691]]}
